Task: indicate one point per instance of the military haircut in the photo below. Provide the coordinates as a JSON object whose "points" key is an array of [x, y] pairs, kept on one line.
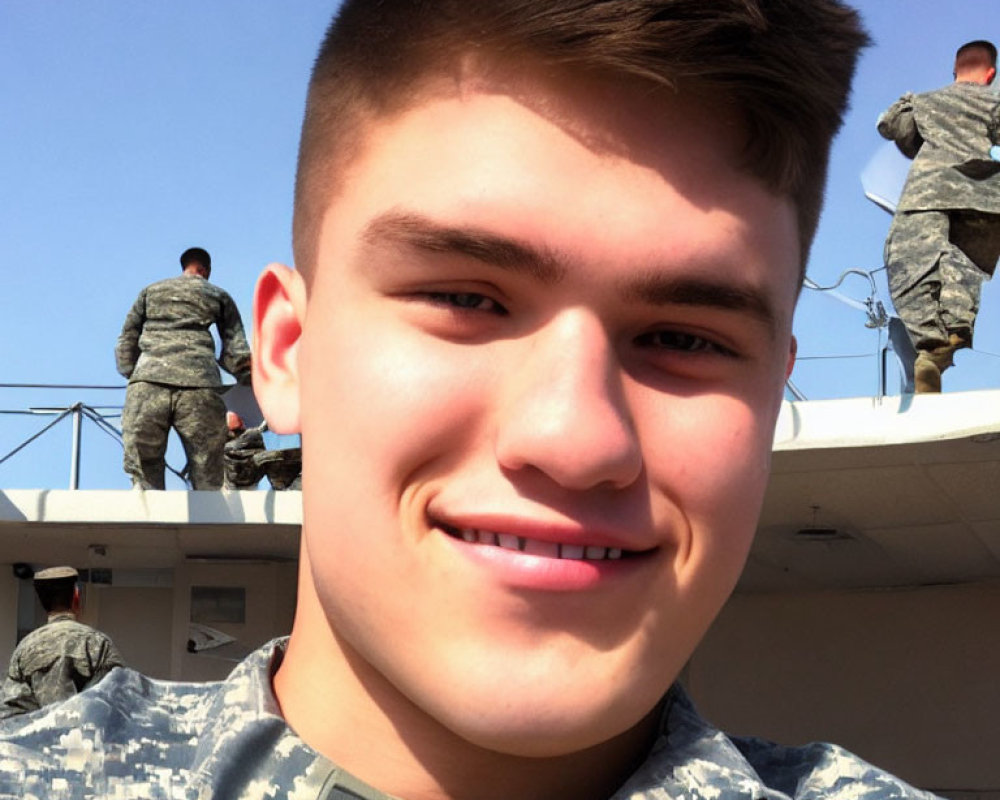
{"points": [[785, 65], [196, 255], [55, 594], [978, 54]]}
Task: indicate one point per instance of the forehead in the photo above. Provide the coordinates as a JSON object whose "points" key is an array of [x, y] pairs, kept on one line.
{"points": [[551, 157]]}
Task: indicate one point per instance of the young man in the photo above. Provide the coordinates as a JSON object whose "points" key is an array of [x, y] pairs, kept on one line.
{"points": [[167, 352], [945, 237], [548, 253], [63, 657]]}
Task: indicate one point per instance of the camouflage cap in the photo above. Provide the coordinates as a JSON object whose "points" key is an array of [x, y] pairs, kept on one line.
{"points": [[56, 573]]}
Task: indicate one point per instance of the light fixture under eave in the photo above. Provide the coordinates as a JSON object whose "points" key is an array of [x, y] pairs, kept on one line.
{"points": [[819, 533], [812, 534]]}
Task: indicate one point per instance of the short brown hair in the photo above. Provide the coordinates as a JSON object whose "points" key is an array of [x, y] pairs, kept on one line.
{"points": [[786, 65], [979, 54], [56, 594]]}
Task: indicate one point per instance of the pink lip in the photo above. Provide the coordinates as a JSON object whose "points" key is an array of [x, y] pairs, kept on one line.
{"points": [[526, 570]]}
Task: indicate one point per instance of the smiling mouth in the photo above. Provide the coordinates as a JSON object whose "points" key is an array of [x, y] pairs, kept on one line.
{"points": [[536, 547]]}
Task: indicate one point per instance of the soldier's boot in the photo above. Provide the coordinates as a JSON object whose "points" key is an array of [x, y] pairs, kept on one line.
{"points": [[931, 363], [926, 374]]}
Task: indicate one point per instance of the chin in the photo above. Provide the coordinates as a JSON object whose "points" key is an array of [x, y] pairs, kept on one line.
{"points": [[537, 728]]}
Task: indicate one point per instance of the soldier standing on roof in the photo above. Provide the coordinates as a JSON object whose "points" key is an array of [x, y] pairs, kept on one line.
{"points": [[62, 657], [945, 238], [167, 352]]}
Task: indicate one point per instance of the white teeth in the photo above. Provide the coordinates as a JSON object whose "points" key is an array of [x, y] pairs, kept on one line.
{"points": [[487, 537], [536, 547], [571, 551]]}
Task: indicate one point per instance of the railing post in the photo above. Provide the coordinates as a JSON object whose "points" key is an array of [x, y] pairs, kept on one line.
{"points": [[74, 464]]}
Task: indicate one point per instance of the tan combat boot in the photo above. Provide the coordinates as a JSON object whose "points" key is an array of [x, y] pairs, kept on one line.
{"points": [[926, 374], [930, 364]]}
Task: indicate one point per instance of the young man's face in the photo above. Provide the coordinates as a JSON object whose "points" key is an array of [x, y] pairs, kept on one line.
{"points": [[538, 373]]}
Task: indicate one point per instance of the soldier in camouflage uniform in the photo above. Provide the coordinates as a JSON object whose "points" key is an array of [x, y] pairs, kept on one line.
{"points": [[248, 459], [536, 342], [63, 657], [945, 237], [242, 445], [167, 352]]}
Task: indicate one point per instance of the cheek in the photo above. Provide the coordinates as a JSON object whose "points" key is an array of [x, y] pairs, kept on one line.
{"points": [[381, 401], [711, 458]]}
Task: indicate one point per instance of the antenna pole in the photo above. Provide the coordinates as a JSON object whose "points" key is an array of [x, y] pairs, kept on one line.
{"points": [[74, 462]]}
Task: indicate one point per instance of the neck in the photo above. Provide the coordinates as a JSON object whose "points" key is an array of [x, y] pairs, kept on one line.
{"points": [[977, 77], [350, 713]]}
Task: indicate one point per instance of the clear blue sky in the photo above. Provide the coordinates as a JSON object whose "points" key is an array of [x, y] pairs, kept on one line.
{"points": [[132, 130]]}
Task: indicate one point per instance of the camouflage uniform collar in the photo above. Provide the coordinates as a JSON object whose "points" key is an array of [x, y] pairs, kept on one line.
{"points": [[692, 759], [244, 715], [59, 616]]}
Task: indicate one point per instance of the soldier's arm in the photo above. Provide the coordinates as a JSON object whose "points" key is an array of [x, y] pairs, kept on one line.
{"points": [[127, 346], [235, 355], [898, 124], [17, 697], [102, 657]]}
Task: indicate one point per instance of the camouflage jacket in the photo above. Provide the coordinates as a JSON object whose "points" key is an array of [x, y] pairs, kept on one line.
{"points": [[166, 337], [948, 134], [55, 662], [133, 737]]}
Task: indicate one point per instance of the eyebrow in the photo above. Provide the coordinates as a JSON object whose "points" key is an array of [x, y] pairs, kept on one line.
{"points": [[654, 288], [415, 230]]}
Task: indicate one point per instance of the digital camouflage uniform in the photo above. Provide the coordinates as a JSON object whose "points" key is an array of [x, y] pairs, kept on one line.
{"points": [[132, 737], [945, 237], [167, 352], [55, 662]]}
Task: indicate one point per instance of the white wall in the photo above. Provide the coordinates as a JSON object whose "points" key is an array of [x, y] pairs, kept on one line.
{"points": [[908, 679], [136, 618], [270, 599]]}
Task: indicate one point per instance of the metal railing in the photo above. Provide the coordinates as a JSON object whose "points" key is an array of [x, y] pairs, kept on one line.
{"points": [[77, 412]]}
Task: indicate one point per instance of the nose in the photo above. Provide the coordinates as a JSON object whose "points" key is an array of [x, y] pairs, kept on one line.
{"points": [[564, 411]]}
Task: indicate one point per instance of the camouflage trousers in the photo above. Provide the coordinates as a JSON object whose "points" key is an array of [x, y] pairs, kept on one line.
{"points": [[937, 262], [199, 417]]}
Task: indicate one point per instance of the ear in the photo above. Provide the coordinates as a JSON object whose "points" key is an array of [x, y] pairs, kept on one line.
{"points": [[279, 308], [990, 75], [793, 349], [75, 602]]}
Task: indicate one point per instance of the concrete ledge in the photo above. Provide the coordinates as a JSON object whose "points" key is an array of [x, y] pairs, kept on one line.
{"points": [[905, 419], [151, 508]]}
